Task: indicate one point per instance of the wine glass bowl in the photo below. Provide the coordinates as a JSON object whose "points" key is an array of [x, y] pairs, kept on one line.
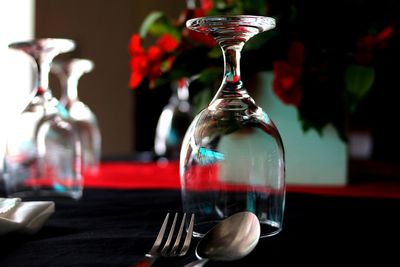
{"points": [[232, 157]]}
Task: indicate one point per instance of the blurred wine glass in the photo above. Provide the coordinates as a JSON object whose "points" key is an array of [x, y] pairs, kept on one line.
{"points": [[43, 149], [69, 72], [173, 122]]}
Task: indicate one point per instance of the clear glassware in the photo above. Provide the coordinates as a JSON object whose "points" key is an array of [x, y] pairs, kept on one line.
{"points": [[43, 150], [173, 122], [69, 72], [232, 156]]}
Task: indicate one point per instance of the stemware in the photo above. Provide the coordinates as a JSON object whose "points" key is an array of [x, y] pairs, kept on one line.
{"points": [[232, 156], [173, 122], [69, 72], [43, 150]]}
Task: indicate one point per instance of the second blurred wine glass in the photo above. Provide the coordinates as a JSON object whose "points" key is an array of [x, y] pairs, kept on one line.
{"points": [[69, 72]]}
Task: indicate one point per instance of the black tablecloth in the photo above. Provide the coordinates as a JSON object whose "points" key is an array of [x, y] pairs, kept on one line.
{"points": [[117, 227]]}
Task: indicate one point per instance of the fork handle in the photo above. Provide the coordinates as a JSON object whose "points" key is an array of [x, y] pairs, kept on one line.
{"points": [[145, 262], [197, 263]]}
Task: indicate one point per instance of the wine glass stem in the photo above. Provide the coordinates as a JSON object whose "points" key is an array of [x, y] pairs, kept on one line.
{"points": [[43, 61], [71, 88], [43, 67], [232, 84], [232, 65]]}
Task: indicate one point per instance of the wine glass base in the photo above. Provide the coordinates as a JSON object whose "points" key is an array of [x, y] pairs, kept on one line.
{"points": [[46, 194]]}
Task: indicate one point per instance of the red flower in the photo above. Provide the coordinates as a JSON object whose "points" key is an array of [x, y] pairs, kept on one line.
{"points": [[167, 43], [138, 62], [206, 5], [135, 45], [287, 75], [140, 66], [154, 53], [369, 43], [383, 36], [150, 63]]}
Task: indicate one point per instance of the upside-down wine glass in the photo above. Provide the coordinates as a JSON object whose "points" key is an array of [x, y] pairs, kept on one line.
{"points": [[173, 122], [43, 150], [69, 72], [232, 157]]}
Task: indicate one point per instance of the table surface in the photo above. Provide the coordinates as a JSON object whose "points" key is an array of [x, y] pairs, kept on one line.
{"points": [[116, 226]]}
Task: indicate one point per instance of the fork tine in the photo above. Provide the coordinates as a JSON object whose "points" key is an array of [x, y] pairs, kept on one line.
{"points": [[188, 238], [160, 235], [171, 232], [178, 237]]}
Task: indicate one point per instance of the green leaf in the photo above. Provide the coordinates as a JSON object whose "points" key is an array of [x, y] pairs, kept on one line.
{"points": [[163, 26], [258, 41], [161, 81], [149, 21], [359, 79], [157, 24], [215, 52], [202, 99], [257, 7], [210, 75]]}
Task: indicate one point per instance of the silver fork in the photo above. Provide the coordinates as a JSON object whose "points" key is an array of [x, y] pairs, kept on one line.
{"points": [[168, 251]]}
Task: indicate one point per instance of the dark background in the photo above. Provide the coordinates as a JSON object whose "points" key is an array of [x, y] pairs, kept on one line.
{"points": [[128, 118]]}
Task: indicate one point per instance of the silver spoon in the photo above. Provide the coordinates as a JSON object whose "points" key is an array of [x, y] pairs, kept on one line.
{"points": [[231, 239]]}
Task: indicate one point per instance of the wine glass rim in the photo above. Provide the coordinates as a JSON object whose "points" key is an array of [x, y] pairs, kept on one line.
{"points": [[65, 44], [83, 65], [261, 22]]}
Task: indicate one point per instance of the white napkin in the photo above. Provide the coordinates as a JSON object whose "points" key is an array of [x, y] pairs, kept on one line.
{"points": [[23, 217]]}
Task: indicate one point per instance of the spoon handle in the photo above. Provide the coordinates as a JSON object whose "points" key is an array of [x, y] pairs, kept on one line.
{"points": [[197, 263]]}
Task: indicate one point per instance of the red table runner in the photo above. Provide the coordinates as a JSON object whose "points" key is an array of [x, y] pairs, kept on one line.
{"points": [[128, 175]]}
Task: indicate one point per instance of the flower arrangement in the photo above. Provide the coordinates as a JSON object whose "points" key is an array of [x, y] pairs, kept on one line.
{"points": [[324, 60]]}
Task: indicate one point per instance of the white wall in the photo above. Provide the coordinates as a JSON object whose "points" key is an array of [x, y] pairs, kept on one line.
{"points": [[310, 159], [16, 24]]}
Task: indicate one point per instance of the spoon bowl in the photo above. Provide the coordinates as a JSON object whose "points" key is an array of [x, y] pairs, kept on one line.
{"points": [[231, 239]]}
